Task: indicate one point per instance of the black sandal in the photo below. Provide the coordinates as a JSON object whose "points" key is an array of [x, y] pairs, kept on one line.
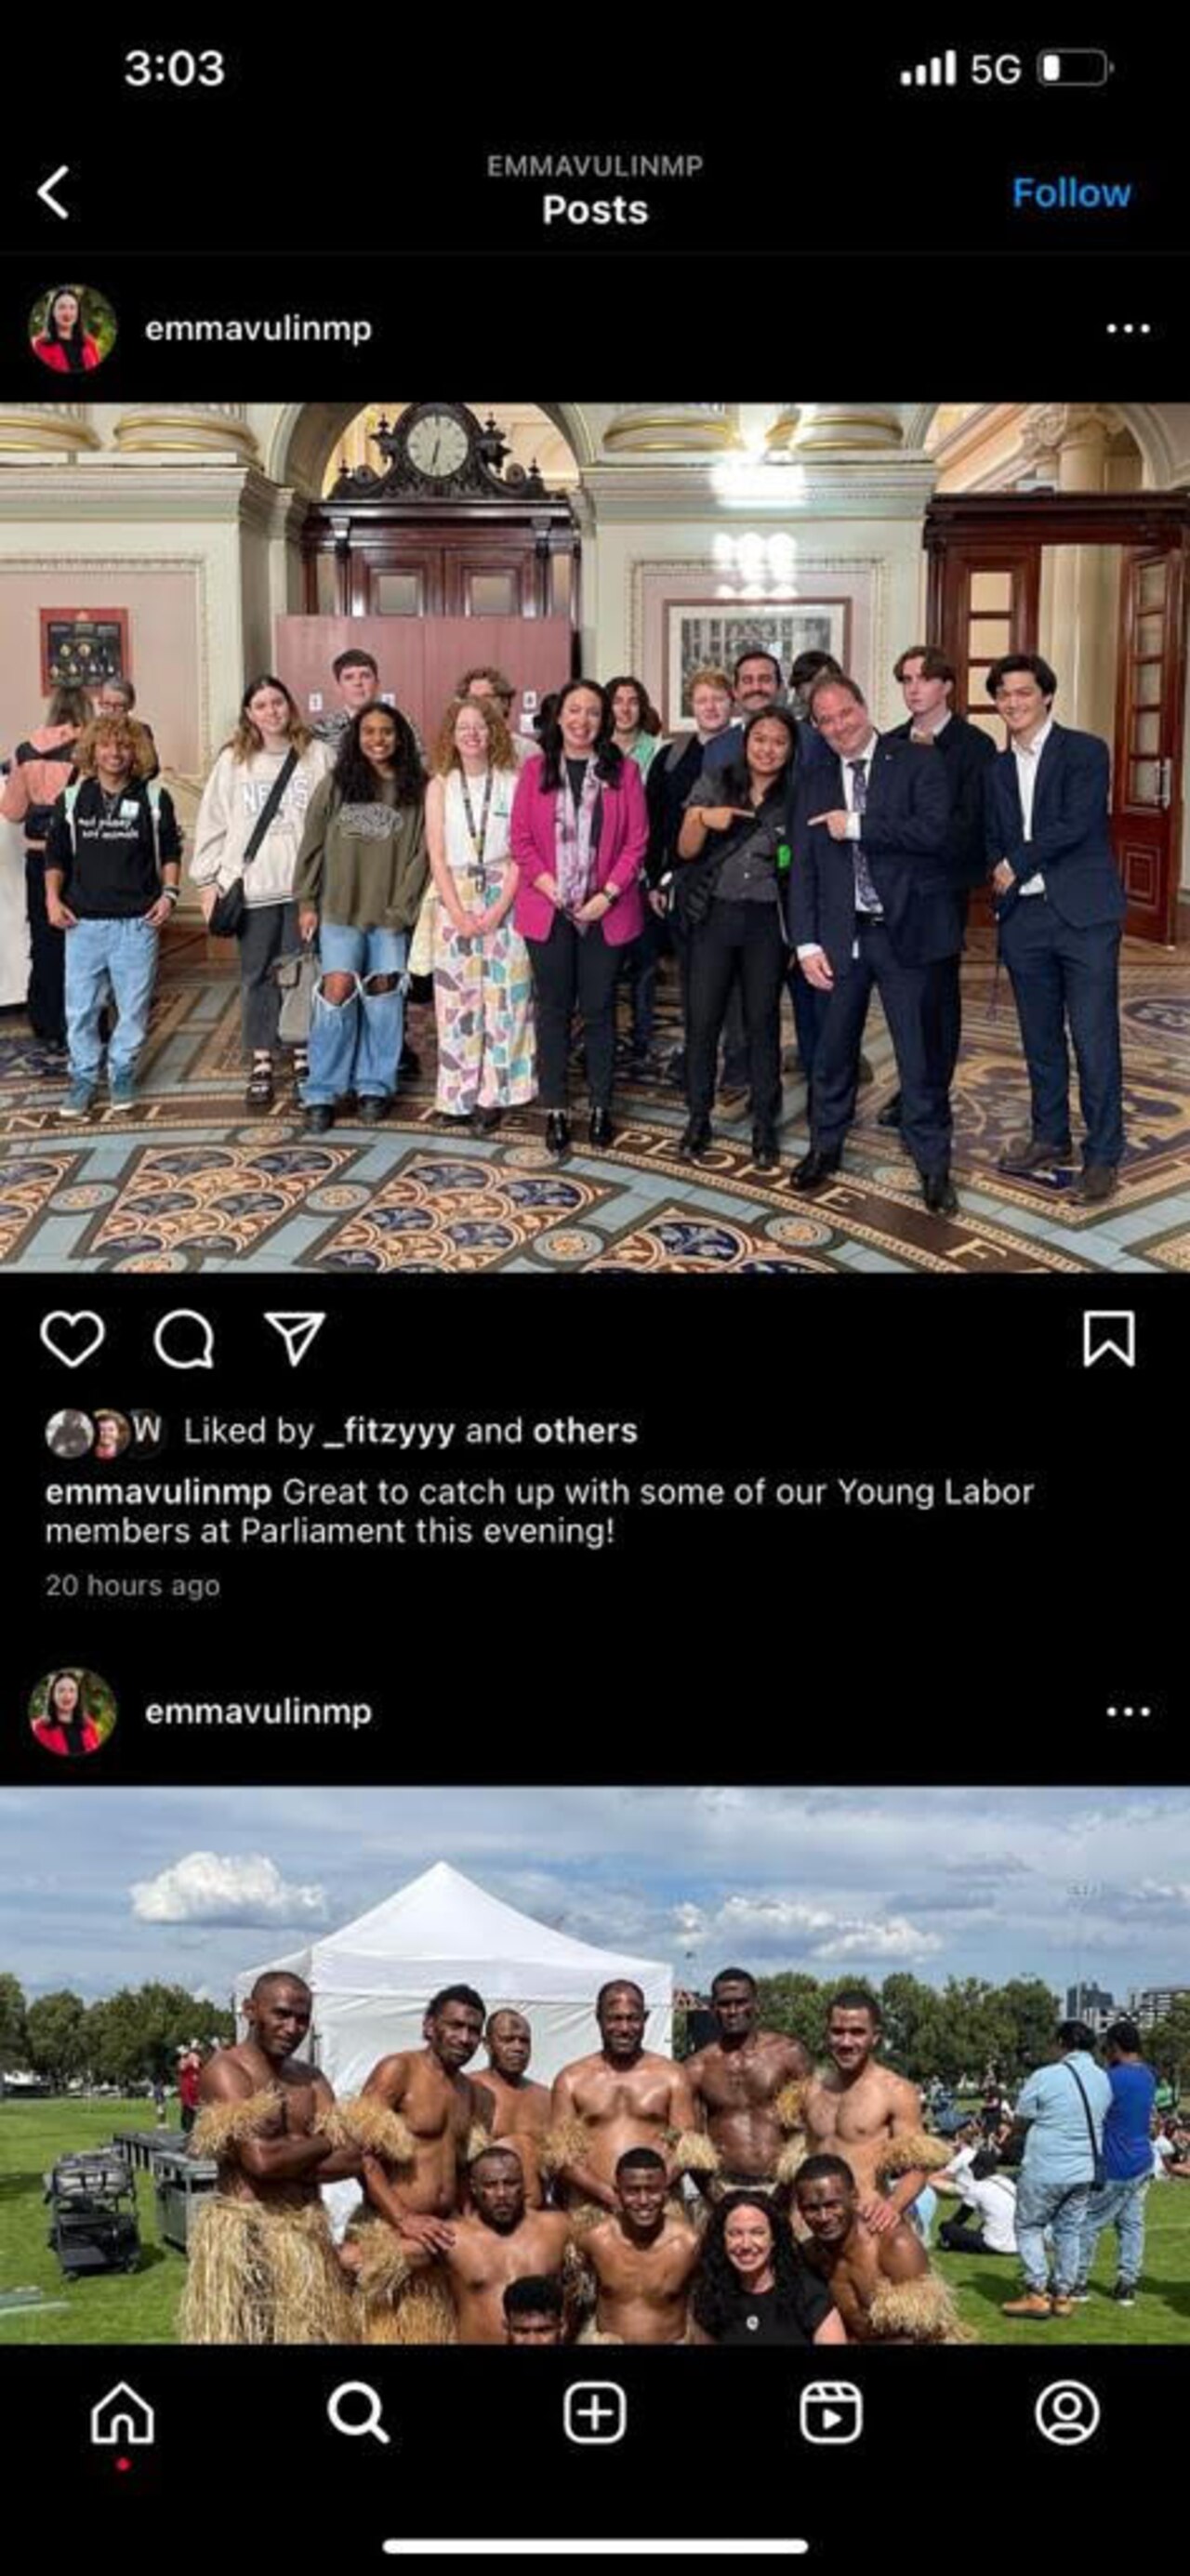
{"points": [[259, 1094]]}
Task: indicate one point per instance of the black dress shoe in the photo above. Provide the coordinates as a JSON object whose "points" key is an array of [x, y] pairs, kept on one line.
{"points": [[371, 1109], [765, 1153], [695, 1139], [557, 1132], [890, 1115], [814, 1169], [318, 1120], [600, 1130], [939, 1193]]}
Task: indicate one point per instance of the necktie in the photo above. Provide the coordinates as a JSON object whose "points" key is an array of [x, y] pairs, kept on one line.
{"points": [[866, 897]]}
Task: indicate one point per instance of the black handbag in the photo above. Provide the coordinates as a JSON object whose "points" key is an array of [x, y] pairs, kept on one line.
{"points": [[229, 911]]}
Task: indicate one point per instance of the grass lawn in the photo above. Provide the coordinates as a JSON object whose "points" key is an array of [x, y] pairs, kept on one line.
{"points": [[1162, 2311], [101, 2307], [140, 2307]]}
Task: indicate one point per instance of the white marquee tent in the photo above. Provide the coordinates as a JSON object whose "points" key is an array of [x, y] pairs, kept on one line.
{"points": [[373, 1979]]}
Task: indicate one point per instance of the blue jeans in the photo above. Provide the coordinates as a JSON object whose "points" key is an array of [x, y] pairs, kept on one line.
{"points": [[1059, 2208], [1120, 2205], [99, 954], [356, 1045]]}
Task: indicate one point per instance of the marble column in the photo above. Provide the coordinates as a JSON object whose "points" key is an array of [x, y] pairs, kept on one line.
{"points": [[215, 431], [648, 429], [841, 429], [46, 429]]}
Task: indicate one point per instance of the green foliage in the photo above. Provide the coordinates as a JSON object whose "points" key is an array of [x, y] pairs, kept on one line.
{"points": [[56, 2036], [13, 2038], [1167, 2045], [929, 2032], [134, 2035]]}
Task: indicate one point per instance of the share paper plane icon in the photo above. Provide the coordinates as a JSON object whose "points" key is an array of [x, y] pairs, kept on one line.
{"points": [[297, 1332]]}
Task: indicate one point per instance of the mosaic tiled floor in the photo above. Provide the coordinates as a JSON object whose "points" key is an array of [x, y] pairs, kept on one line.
{"points": [[185, 1182]]}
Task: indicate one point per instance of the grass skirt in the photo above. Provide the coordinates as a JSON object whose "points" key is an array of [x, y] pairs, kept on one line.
{"points": [[264, 2275]]}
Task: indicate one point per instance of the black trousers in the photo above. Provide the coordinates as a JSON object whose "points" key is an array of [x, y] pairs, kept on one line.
{"points": [[744, 940], [574, 966], [47, 956], [910, 998], [270, 931], [962, 2240], [1064, 977]]}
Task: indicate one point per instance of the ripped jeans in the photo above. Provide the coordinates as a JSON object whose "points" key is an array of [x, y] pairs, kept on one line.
{"points": [[355, 1043]]}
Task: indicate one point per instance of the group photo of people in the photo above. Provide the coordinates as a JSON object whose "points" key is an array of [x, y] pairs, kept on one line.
{"points": [[783, 846], [586, 862], [838, 2133]]}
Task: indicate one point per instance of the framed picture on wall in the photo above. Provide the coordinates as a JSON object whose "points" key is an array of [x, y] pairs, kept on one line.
{"points": [[720, 630], [82, 646]]}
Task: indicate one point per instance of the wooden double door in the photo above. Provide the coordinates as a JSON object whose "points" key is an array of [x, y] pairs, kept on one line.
{"points": [[996, 566]]}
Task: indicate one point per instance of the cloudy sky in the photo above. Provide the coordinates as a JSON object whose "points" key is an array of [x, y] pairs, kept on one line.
{"points": [[104, 1887]]}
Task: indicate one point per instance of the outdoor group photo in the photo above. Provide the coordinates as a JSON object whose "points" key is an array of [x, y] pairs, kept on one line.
{"points": [[377, 2137]]}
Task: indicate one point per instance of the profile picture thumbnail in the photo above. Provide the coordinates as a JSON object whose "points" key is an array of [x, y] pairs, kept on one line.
{"points": [[113, 1431], [72, 1712], [72, 329], [69, 1434]]}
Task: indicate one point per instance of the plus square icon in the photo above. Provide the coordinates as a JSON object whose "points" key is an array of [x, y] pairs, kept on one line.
{"points": [[595, 2410]]}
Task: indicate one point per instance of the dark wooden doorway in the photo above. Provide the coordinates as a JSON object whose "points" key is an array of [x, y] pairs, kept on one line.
{"points": [[985, 552]]}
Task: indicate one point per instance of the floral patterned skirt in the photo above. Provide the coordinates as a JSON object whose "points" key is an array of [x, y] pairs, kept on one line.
{"points": [[483, 1001]]}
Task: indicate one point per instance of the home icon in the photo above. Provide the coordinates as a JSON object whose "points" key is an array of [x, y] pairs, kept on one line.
{"points": [[123, 2417]]}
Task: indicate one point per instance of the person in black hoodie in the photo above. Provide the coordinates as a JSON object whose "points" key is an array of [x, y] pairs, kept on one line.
{"points": [[111, 879]]}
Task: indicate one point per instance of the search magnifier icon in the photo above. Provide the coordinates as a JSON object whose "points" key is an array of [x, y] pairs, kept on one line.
{"points": [[368, 2422]]}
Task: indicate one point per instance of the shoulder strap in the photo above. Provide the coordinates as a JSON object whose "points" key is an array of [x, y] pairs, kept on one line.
{"points": [[70, 798], [265, 817], [1086, 2106], [153, 792]]}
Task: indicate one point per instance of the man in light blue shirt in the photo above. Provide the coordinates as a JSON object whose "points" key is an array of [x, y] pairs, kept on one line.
{"points": [[1062, 2107]]}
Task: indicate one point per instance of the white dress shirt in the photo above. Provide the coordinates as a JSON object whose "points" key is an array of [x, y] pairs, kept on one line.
{"points": [[813, 947], [1026, 756]]}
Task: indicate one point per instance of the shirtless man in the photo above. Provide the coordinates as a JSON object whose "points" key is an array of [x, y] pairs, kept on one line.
{"points": [[522, 2109], [262, 2265], [500, 2242], [882, 2285], [623, 2096], [873, 2118], [416, 2154], [737, 2083], [642, 2257], [533, 2311]]}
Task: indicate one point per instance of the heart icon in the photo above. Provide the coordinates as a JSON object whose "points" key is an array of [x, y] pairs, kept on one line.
{"points": [[73, 1338]]}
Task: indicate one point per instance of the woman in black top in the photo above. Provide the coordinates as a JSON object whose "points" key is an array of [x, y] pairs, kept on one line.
{"points": [[733, 845], [753, 2286]]}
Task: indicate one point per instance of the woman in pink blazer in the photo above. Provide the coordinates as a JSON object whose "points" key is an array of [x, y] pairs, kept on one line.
{"points": [[579, 831]]}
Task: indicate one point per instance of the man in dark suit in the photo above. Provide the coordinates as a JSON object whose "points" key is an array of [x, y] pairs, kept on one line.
{"points": [[927, 681], [1060, 905], [871, 902]]}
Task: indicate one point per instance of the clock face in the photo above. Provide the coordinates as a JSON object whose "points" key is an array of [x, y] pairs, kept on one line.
{"points": [[437, 445]]}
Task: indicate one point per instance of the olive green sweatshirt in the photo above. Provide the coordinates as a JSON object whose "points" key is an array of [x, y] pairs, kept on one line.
{"points": [[362, 867]]}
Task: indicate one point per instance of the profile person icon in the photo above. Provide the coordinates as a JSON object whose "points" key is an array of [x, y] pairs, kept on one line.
{"points": [[112, 1434], [63, 340], [67, 1722], [69, 1434]]}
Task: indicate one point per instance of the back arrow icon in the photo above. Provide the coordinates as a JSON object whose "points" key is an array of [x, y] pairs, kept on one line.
{"points": [[46, 188]]}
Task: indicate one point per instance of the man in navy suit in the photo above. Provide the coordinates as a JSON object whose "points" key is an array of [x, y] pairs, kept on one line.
{"points": [[1060, 904], [871, 902], [927, 681]]}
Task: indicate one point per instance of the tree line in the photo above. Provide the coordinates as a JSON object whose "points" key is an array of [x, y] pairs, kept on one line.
{"points": [[930, 2032], [127, 2038], [947, 2032]]}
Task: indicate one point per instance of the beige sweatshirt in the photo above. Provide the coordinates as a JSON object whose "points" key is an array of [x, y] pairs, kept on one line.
{"points": [[233, 797]]}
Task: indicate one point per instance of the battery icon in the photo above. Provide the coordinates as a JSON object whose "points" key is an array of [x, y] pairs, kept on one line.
{"points": [[1074, 67]]}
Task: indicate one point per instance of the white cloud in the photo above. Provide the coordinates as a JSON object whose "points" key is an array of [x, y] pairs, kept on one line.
{"points": [[815, 1931], [206, 1887]]}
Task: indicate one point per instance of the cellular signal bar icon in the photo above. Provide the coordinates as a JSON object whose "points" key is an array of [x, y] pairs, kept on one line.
{"points": [[941, 72]]}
